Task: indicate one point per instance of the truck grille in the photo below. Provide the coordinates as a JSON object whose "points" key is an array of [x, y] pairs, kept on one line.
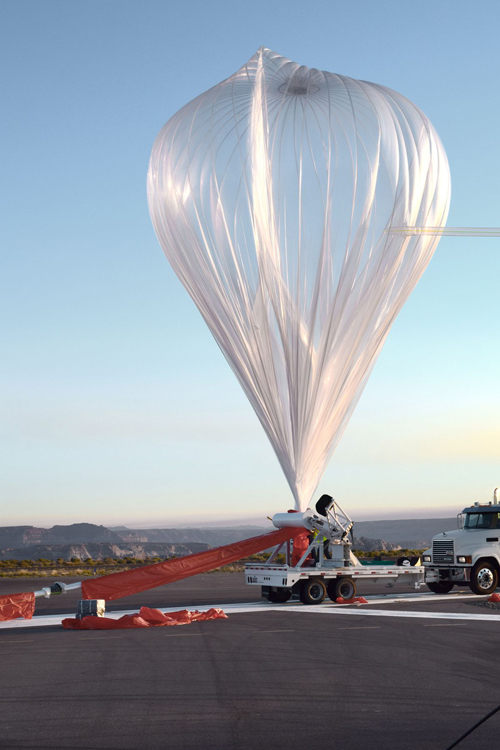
{"points": [[443, 551]]}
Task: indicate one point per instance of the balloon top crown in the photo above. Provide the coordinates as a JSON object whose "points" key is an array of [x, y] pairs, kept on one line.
{"points": [[288, 78], [297, 80]]}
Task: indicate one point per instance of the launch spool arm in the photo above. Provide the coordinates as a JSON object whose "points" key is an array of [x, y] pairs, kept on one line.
{"points": [[328, 519], [57, 588], [331, 527]]}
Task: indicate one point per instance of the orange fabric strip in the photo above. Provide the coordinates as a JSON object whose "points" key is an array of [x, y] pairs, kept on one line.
{"points": [[118, 585], [146, 618], [17, 605]]}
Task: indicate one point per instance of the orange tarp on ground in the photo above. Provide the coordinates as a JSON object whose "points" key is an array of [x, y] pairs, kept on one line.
{"points": [[118, 585], [17, 605], [146, 618]]}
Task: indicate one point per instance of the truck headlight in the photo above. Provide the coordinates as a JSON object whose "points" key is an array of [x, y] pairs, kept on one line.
{"points": [[426, 558], [467, 559]]}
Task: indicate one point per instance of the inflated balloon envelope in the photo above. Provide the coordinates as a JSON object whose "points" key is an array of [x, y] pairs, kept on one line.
{"points": [[273, 196]]}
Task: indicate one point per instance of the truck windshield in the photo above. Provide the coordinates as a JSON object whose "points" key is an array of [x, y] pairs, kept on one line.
{"points": [[482, 521]]}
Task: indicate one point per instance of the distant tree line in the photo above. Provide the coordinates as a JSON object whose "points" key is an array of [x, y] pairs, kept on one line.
{"points": [[382, 554]]}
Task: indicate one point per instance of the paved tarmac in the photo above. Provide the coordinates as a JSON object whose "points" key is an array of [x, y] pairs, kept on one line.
{"points": [[205, 589], [282, 679], [195, 591]]}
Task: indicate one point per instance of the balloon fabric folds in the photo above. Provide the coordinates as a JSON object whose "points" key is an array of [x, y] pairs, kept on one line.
{"points": [[273, 195]]}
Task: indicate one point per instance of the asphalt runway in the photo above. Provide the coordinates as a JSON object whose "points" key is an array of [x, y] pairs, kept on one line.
{"points": [[205, 589], [195, 591], [285, 679]]}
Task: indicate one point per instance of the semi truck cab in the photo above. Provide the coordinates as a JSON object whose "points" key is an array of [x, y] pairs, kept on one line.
{"points": [[470, 555]]}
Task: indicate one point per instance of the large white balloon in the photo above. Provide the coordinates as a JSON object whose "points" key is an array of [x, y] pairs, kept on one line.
{"points": [[273, 195]]}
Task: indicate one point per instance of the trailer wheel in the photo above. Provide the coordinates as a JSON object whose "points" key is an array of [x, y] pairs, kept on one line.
{"points": [[343, 588], [312, 591], [441, 587], [483, 578], [280, 596]]}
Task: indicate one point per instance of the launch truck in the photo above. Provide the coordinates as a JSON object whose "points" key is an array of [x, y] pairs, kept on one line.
{"points": [[323, 564], [470, 555]]}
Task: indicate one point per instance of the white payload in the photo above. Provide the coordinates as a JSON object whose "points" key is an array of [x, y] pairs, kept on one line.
{"points": [[274, 196]]}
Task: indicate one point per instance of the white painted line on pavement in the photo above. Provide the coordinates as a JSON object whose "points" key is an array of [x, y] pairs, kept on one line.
{"points": [[329, 608], [12, 642], [101, 637], [259, 632], [318, 609], [395, 598], [362, 627]]}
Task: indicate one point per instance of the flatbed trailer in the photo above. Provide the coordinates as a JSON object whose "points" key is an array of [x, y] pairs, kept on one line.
{"points": [[280, 583], [327, 566]]}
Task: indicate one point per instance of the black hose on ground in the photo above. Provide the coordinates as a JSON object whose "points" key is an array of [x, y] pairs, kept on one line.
{"points": [[472, 729]]}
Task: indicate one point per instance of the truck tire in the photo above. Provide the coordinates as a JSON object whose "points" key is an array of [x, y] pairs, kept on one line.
{"points": [[280, 596], [343, 588], [312, 591], [483, 578], [441, 587]]}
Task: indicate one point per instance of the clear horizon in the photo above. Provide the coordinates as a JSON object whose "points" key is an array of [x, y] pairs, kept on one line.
{"points": [[116, 403], [226, 522]]}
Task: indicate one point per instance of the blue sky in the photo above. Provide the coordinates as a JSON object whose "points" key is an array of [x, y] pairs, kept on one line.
{"points": [[116, 404]]}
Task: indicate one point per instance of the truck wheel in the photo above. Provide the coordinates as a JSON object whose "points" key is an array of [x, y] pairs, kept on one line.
{"points": [[343, 588], [441, 587], [483, 578], [312, 591], [280, 596]]}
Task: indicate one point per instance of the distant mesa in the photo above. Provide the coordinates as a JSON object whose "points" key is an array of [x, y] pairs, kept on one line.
{"points": [[99, 551], [363, 544], [76, 533], [87, 540]]}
